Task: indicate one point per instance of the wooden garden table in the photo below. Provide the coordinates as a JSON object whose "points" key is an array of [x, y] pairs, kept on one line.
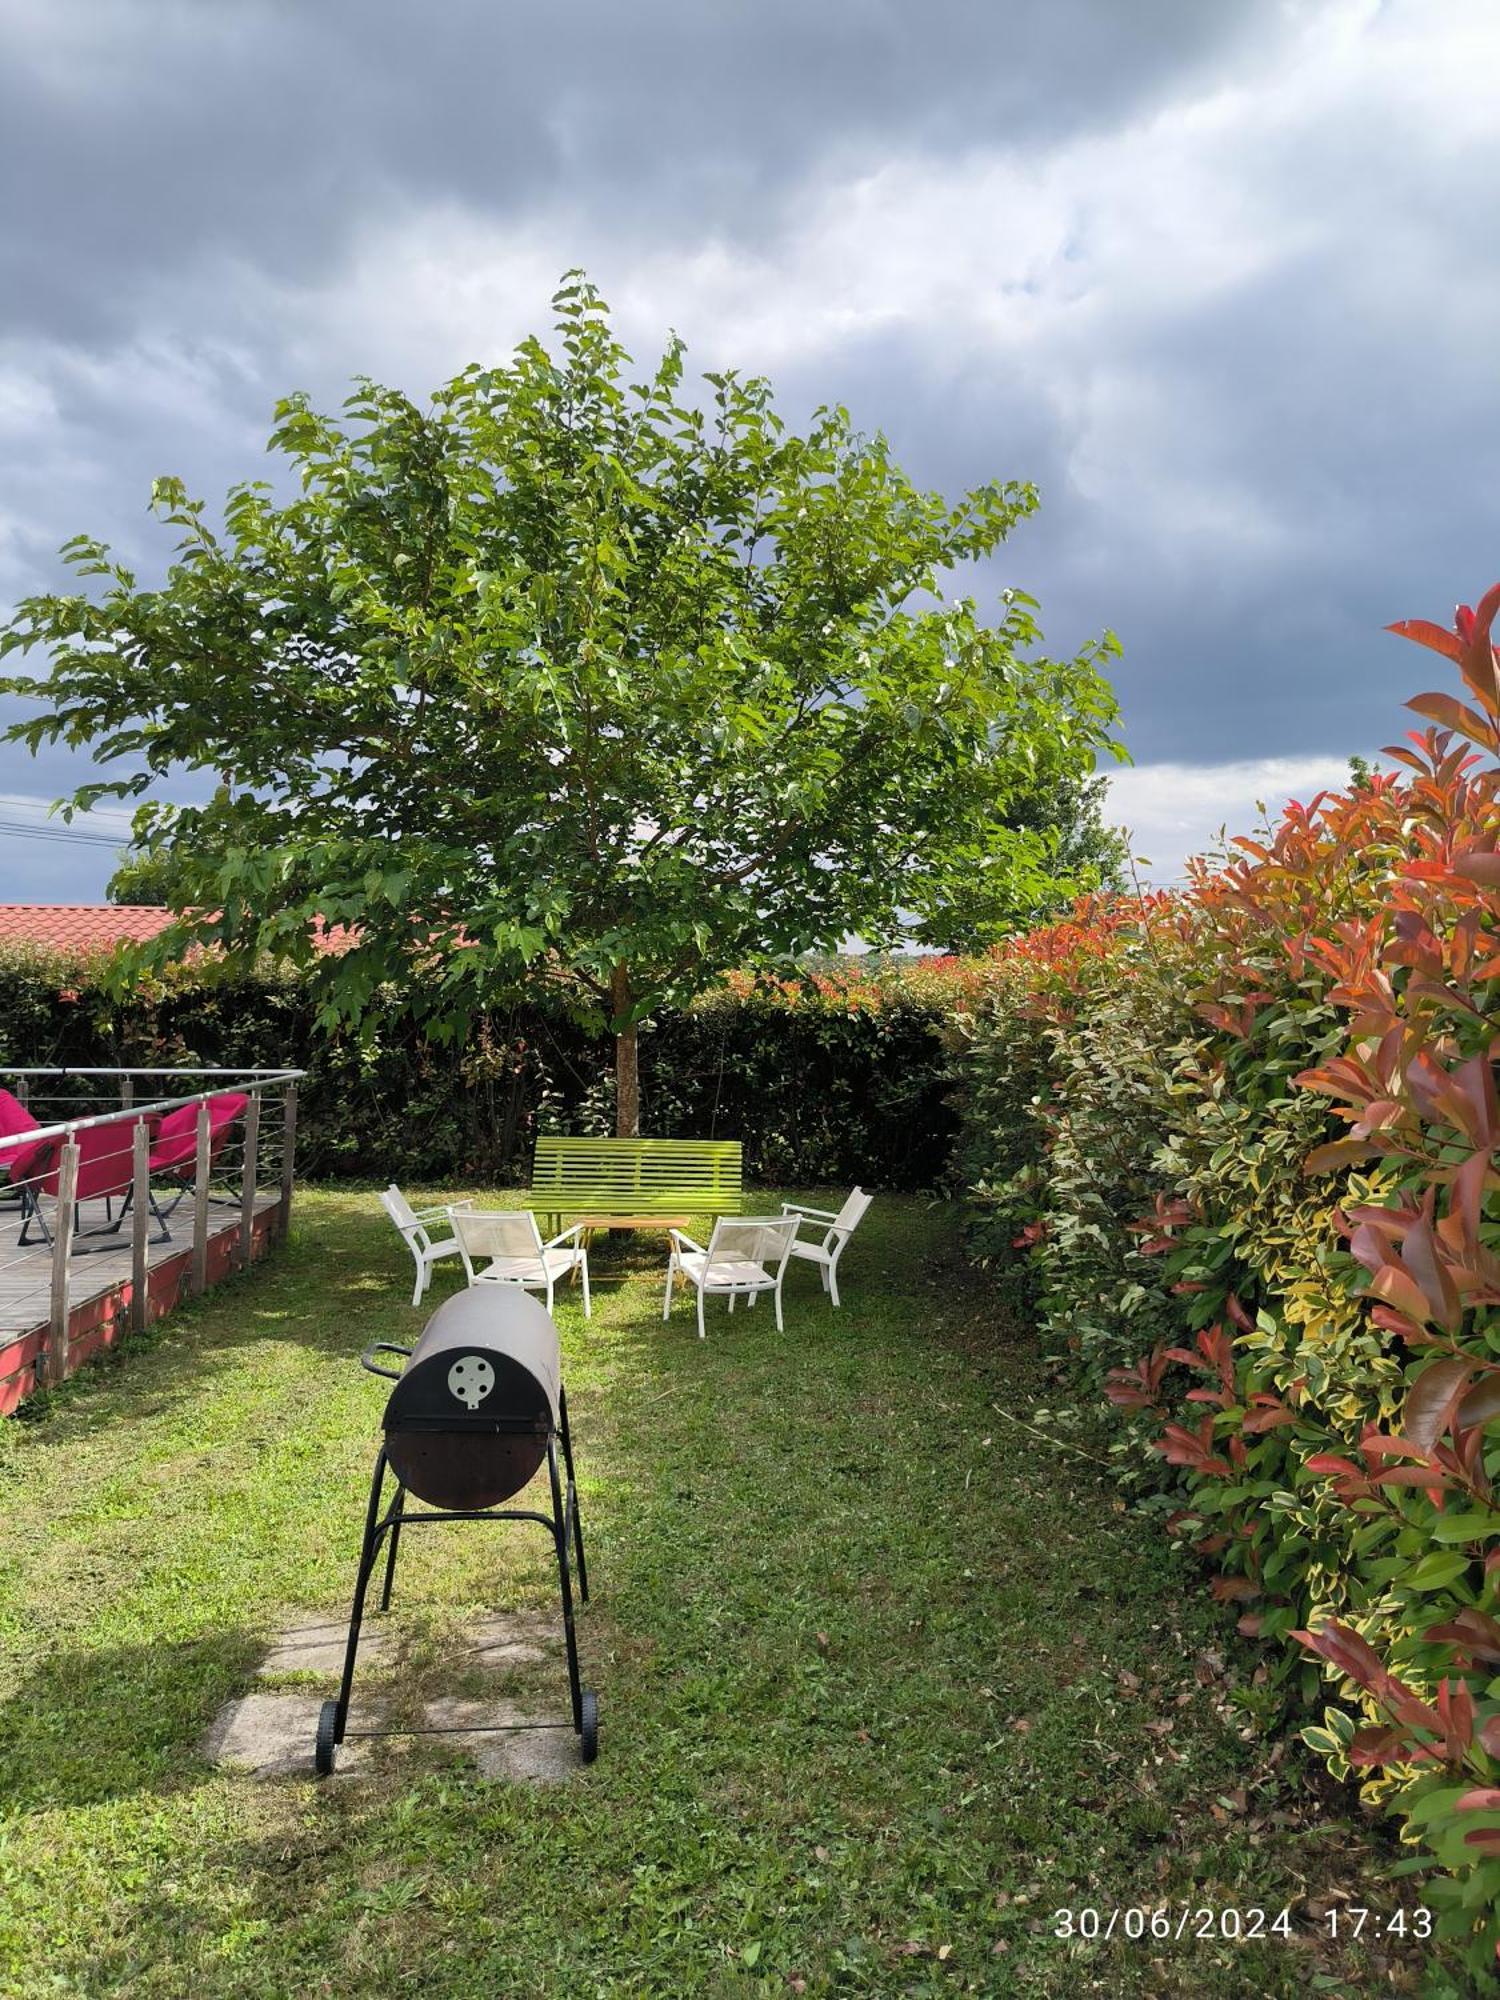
{"points": [[592, 1222]]}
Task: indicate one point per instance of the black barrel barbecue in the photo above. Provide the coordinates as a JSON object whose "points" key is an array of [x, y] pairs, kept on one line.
{"points": [[477, 1410]]}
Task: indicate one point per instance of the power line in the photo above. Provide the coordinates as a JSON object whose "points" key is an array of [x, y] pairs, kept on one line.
{"points": [[35, 799], [122, 839], [84, 836]]}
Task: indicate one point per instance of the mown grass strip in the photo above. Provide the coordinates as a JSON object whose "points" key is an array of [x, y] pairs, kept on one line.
{"points": [[885, 1683]]}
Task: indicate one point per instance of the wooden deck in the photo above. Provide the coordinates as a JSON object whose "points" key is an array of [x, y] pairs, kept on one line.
{"points": [[101, 1305]]}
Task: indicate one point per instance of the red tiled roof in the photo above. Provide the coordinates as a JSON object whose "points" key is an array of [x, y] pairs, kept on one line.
{"points": [[79, 928]]}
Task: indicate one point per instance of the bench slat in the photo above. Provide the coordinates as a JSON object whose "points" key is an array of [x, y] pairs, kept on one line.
{"points": [[652, 1176]]}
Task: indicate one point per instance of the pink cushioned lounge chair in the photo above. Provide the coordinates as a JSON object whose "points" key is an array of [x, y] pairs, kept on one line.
{"points": [[18, 1154], [104, 1173], [15, 1122], [174, 1151]]}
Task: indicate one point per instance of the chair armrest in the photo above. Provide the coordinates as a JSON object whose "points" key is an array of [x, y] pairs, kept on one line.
{"points": [[556, 1242], [438, 1214], [813, 1214], [681, 1240]]}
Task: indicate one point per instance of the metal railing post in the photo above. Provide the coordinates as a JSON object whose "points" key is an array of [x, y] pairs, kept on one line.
{"points": [[247, 1185], [62, 1253], [288, 1156], [140, 1217], [200, 1202]]}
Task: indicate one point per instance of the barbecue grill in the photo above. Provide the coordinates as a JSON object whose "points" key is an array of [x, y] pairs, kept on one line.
{"points": [[477, 1410]]}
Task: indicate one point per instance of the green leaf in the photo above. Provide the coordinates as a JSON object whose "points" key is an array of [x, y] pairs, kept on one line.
{"points": [[1480, 1524], [1436, 1570]]}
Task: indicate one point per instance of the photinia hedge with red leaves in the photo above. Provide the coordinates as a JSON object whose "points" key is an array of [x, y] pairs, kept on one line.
{"points": [[1248, 1139]]}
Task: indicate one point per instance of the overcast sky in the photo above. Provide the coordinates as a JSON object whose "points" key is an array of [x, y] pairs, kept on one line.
{"points": [[1220, 277]]}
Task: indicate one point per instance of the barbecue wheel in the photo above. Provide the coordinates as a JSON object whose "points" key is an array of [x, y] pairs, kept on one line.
{"points": [[589, 1725], [328, 1722]]}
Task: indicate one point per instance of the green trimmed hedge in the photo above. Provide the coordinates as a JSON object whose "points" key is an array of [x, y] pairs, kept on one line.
{"points": [[824, 1081]]}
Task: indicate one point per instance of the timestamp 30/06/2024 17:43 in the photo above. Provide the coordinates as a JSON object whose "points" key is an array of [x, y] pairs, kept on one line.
{"points": [[1159, 1921]]}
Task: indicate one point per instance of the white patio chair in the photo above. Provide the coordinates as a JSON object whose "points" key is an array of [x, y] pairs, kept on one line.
{"points": [[738, 1262], [836, 1228], [413, 1224], [511, 1241]]}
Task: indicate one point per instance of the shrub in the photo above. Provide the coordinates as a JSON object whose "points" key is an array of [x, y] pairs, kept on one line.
{"points": [[839, 1076], [1248, 1140]]}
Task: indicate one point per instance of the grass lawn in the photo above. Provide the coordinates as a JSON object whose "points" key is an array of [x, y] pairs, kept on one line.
{"points": [[885, 1680]]}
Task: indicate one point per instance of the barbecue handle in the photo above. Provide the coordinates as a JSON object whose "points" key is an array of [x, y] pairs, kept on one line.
{"points": [[383, 1347]]}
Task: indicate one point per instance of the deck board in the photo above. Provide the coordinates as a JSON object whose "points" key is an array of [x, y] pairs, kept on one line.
{"points": [[99, 1283]]}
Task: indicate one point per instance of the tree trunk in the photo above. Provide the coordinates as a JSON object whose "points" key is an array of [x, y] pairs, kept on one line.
{"points": [[627, 1072], [627, 1087]]}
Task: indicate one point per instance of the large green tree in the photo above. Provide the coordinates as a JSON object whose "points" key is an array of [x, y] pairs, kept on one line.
{"points": [[571, 677]]}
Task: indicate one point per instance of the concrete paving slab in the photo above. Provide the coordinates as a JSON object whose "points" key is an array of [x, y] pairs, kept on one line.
{"points": [[528, 1755], [271, 1736], [512, 1638], [313, 1642]]}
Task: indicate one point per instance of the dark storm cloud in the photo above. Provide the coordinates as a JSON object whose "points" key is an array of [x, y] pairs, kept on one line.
{"points": [[1212, 276], [138, 136]]}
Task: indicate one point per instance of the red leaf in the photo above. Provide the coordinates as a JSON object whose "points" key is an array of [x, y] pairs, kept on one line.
{"points": [[1475, 1081], [1227, 1588], [1468, 1193], [1397, 1289], [1452, 713], [1476, 662], [1481, 1405], [1456, 1707], [1343, 1648], [1432, 1400], [1425, 1262], [1266, 1416], [1376, 1444], [1476, 1633], [1425, 633], [1327, 1462], [1379, 1746]]}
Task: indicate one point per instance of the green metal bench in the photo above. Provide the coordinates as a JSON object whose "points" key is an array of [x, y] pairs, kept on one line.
{"points": [[634, 1183]]}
